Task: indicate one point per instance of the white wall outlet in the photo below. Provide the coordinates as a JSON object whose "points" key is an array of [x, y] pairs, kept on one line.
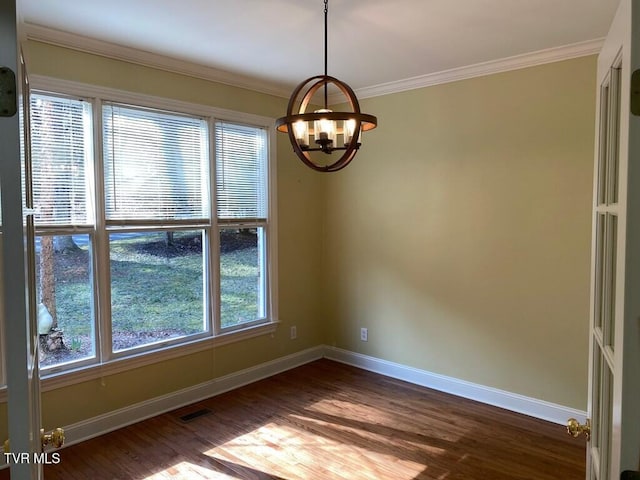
{"points": [[364, 334], [294, 332]]}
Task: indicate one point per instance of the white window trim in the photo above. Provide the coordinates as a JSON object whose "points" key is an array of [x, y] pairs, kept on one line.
{"points": [[60, 377]]}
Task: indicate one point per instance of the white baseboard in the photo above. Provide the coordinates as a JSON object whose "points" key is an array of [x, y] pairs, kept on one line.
{"points": [[122, 417], [491, 396], [116, 419]]}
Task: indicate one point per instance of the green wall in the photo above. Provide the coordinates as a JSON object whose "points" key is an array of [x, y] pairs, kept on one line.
{"points": [[460, 235], [299, 236]]}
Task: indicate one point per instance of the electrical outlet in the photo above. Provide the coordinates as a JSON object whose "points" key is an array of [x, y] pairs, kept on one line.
{"points": [[294, 333], [364, 334]]}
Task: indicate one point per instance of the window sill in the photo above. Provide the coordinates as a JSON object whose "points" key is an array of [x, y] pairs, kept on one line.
{"points": [[90, 372]]}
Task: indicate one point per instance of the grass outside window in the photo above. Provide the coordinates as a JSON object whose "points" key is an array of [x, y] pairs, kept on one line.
{"points": [[157, 290]]}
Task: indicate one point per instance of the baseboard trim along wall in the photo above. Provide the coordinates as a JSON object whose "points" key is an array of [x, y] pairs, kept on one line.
{"points": [[108, 422], [123, 417], [499, 398]]}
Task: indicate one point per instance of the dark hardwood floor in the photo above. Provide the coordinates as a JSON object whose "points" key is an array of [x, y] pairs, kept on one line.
{"points": [[326, 420]]}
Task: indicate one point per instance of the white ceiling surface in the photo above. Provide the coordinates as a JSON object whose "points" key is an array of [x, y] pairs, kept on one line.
{"points": [[371, 42]]}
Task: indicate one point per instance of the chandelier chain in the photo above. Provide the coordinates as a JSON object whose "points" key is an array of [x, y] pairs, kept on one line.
{"points": [[326, 11]]}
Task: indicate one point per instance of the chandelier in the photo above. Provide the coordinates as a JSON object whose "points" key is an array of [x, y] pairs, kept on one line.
{"points": [[331, 131]]}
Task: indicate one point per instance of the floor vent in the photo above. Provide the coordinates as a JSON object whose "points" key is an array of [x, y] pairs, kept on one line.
{"points": [[193, 415]]}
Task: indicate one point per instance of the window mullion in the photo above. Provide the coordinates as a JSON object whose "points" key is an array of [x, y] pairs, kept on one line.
{"points": [[242, 222], [272, 230], [144, 224], [213, 257], [64, 229], [102, 274]]}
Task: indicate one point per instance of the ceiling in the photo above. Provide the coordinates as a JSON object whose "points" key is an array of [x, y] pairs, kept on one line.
{"points": [[279, 43]]}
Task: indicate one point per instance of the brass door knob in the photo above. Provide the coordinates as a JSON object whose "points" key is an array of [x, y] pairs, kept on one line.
{"points": [[575, 429], [55, 438]]}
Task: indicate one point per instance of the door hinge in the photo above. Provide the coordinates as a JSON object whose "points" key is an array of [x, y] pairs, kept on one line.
{"points": [[635, 93], [630, 475], [8, 94]]}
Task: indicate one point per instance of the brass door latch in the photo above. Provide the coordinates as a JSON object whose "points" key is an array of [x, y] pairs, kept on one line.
{"points": [[575, 429], [55, 439]]}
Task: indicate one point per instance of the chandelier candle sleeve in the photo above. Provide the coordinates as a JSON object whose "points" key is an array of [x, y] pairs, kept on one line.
{"points": [[348, 130], [324, 129], [301, 130]]}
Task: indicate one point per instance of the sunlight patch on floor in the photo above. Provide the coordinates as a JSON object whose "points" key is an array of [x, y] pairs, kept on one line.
{"points": [[343, 408], [376, 438], [282, 450], [184, 470]]}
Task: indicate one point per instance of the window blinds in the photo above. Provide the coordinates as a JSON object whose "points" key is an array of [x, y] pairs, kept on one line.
{"points": [[241, 171], [61, 155], [155, 164]]}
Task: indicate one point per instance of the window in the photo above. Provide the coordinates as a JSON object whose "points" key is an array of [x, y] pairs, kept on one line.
{"points": [[242, 222], [155, 166], [153, 226], [62, 169], [156, 211]]}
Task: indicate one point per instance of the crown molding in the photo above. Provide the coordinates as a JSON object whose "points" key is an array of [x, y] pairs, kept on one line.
{"points": [[516, 62], [119, 52], [90, 45]]}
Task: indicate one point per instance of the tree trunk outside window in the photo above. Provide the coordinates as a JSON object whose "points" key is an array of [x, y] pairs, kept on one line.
{"points": [[65, 244], [47, 277]]}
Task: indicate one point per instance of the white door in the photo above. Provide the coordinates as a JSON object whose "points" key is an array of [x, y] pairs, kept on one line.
{"points": [[18, 257], [614, 396]]}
